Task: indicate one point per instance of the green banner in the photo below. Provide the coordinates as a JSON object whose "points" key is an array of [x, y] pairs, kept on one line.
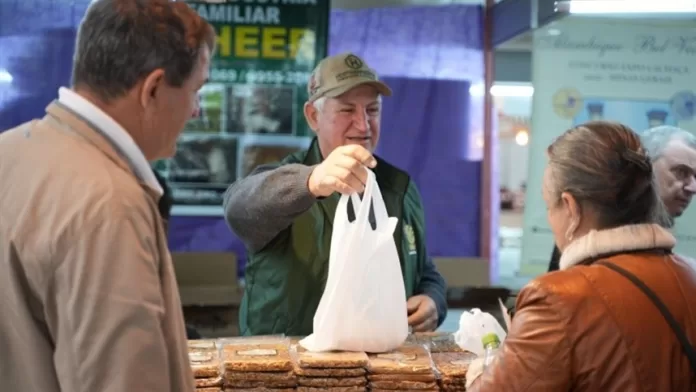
{"points": [[252, 108]]}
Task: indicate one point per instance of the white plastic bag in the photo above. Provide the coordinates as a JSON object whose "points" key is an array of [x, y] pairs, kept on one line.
{"points": [[473, 325], [363, 307]]}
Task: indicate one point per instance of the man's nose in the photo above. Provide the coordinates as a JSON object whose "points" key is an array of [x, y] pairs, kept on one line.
{"points": [[690, 186], [360, 120], [196, 108]]}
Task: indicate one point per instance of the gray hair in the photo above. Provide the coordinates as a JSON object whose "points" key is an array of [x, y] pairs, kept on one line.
{"points": [[319, 103], [656, 139], [119, 42]]}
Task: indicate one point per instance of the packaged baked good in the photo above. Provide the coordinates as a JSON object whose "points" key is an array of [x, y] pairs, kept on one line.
{"points": [[323, 360], [435, 341], [453, 383], [246, 384], [231, 375], [257, 356], [205, 363], [404, 360], [210, 382], [331, 382], [406, 390], [336, 389], [327, 372], [280, 338], [202, 344], [250, 380], [259, 389], [403, 384], [427, 377], [461, 387], [453, 364]]}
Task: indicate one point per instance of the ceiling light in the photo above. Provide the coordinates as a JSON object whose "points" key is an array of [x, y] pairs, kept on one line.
{"points": [[625, 6], [5, 76], [522, 138]]}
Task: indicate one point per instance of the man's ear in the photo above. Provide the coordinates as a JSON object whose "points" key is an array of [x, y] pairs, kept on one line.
{"points": [[151, 86], [311, 115]]}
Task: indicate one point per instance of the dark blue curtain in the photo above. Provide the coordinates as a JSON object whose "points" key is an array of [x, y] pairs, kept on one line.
{"points": [[424, 131], [36, 44], [34, 66]]}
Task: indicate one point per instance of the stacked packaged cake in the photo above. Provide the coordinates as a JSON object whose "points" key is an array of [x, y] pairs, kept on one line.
{"points": [[427, 362], [205, 362], [452, 368], [409, 367], [329, 371], [263, 363]]}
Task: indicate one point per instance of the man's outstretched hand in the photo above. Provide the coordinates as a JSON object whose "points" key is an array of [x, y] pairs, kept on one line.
{"points": [[343, 171]]}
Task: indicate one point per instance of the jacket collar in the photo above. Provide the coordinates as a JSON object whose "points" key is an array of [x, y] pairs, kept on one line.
{"points": [[72, 122], [313, 155], [627, 238], [112, 131]]}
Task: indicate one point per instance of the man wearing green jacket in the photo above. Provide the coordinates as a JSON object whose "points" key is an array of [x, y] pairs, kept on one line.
{"points": [[284, 212]]}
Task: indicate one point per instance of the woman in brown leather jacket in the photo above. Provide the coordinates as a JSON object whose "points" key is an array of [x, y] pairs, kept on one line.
{"points": [[587, 327]]}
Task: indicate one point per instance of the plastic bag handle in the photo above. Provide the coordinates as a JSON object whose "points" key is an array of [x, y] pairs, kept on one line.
{"points": [[357, 204], [371, 196], [362, 210], [361, 215], [380, 209], [343, 206]]}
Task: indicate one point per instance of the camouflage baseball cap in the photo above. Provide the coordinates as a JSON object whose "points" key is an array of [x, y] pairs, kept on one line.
{"points": [[337, 74]]}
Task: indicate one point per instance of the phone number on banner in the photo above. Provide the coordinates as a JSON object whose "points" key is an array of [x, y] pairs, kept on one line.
{"points": [[259, 76]]}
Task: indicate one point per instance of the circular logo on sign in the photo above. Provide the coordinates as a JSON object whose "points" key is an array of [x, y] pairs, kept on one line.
{"points": [[567, 103], [353, 61]]}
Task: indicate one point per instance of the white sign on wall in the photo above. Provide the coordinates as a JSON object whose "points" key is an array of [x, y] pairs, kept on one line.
{"points": [[641, 75]]}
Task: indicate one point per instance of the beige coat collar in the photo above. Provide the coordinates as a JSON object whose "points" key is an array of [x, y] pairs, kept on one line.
{"points": [[73, 123], [619, 239], [119, 138]]}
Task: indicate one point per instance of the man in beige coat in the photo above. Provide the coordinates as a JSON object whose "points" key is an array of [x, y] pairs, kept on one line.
{"points": [[88, 296]]}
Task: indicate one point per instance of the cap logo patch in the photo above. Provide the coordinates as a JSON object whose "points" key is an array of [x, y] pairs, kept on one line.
{"points": [[353, 62]]}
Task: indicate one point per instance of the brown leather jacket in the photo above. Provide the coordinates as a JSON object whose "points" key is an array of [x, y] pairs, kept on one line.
{"points": [[587, 328]]}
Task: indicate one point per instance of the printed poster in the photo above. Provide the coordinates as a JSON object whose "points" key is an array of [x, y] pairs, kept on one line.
{"points": [[252, 108], [642, 75]]}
